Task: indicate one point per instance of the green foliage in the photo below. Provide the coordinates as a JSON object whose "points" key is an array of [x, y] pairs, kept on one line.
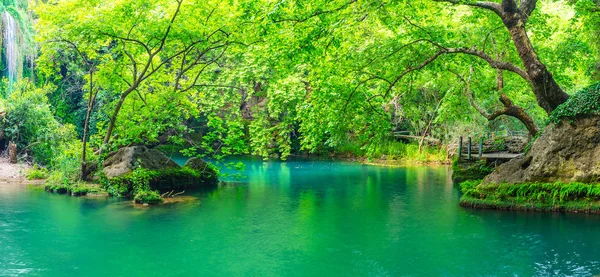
{"points": [[390, 150], [30, 123], [148, 182], [296, 79], [553, 196], [147, 197], [584, 102], [467, 171], [73, 189], [37, 173]]}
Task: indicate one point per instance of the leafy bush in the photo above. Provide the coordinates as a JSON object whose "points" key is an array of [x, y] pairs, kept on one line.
{"points": [[30, 123], [147, 197], [37, 173], [74, 189], [584, 102]]}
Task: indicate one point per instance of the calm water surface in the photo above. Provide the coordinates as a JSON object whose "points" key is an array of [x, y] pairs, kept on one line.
{"points": [[296, 218]]}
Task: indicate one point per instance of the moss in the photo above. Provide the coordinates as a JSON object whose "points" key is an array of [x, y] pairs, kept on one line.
{"points": [[147, 197], [57, 188], [584, 102], [77, 189], [574, 197], [470, 171], [165, 180]]}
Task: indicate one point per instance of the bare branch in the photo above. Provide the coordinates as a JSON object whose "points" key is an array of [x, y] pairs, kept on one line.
{"points": [[495, 7]]}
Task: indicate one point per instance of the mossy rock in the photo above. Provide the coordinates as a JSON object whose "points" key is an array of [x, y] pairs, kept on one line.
{"points": [[57, 188], [584, 102], [180, 179], [557, 196], [165, 180], [78, 189], [466, 171]]}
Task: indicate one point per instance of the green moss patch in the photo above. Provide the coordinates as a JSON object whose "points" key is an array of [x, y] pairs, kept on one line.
{"points": [[572, 197], [584, 102], [145, 186], [77, 189], [462, 172], [147, 197], [165, 180]]}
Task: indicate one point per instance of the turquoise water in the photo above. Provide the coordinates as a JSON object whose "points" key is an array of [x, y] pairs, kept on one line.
{"points": [[297, 218]]}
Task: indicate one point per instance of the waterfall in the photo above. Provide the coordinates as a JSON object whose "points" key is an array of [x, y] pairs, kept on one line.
{"points": [[12, 39]]}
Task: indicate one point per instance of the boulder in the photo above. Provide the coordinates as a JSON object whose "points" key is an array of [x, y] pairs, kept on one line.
{"points": [[126, 159], [208, 173], [196, 164], [567, 152], [516, 144]]}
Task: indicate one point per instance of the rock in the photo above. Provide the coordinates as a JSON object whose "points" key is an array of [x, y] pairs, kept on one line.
{"points": [[125, 160], [568, 152], [196, 164], [515, 144], [208, 173]]}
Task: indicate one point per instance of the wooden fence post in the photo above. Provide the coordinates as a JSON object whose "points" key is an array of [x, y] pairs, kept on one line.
{"points": [[469, 149], [480, 147], [460, 140]]}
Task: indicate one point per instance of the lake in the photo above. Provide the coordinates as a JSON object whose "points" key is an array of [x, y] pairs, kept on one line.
{"points": [[295, 218]]}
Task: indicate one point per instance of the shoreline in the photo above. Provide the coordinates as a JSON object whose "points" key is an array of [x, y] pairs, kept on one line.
{"points": [[523, 206]]}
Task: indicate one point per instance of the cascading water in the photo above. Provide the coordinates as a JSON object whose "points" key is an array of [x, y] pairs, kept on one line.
{"points": [[12, 38]]}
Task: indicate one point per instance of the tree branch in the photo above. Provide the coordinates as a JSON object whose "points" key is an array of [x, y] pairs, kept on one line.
{"points": [[495, 7], [491, 61], [527, 7]]}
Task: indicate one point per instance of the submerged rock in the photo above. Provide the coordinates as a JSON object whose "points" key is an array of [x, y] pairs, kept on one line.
{"points": [[566, 152], [125, 160]]}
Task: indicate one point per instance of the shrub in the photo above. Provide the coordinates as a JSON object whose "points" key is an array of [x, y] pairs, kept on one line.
{"points": [[37, 173], [147, 197], [30, 123]]}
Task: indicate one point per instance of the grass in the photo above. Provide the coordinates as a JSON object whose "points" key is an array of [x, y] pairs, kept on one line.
{"points": [[573, 197]]}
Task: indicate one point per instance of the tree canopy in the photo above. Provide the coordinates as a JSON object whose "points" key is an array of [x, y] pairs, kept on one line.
{"points": [[279, 77]]}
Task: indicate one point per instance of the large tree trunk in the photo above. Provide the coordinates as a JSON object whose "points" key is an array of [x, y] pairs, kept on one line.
{"points": [[548, 93]]}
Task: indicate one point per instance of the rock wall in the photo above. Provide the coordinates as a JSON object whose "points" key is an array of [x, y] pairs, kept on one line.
{"points": [[567, 152]]}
